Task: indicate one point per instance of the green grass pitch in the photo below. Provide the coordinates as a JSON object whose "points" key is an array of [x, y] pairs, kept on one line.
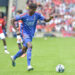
{"points": [[46, 55]]}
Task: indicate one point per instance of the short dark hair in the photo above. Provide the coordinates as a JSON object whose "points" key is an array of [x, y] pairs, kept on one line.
{"points": [[19, 11], [32, 6]]}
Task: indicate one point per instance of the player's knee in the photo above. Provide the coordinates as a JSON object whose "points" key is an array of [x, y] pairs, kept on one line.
{"points": [[24, 49]]}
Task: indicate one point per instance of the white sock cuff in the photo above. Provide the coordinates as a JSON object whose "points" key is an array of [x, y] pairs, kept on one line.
{"points": [[5, 47]]}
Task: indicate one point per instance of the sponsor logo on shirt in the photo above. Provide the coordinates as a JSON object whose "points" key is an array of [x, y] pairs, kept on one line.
{"points": [[31, 22]]}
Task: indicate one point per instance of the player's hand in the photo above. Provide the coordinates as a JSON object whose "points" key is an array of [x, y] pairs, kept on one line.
{"points": [[51, 17]]}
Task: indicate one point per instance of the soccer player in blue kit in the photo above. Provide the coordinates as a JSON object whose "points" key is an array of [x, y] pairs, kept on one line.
{"points": [[29, 25]]}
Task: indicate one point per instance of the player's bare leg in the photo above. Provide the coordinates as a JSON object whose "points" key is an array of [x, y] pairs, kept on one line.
{"points": [[24, 48], [5, 46], [29, 51]]}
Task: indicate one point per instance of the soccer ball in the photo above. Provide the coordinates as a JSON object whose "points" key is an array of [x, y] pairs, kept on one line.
{"points": [[60, 68]]}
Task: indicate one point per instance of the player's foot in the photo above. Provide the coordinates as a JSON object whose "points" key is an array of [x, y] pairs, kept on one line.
{"points": [[23, 55], [7, 52], [30, 68], [13, 61]]}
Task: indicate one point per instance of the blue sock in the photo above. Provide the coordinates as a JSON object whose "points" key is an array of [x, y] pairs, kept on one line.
{"points": [[29, 50], [19, 53]]}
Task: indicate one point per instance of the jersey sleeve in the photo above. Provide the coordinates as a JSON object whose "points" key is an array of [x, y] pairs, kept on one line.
{"points": [[40, 17], [18, 17]]}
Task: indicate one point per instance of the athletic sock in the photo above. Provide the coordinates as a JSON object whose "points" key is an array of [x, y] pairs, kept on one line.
{"points": [[5, 47], [19, 53], [29, 50]]}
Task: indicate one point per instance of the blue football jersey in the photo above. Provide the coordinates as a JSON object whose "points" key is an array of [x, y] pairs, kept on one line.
{"points": [[29, 22]]}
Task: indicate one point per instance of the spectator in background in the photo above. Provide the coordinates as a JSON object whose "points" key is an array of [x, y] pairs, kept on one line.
{"points": [[2, 36], [63, 8]]}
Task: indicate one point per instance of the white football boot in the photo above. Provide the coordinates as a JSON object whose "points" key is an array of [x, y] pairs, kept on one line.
{"points": [[30, 68], [13, 61], [7, 52]]}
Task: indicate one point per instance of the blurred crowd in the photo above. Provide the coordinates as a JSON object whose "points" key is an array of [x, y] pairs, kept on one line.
{"points": [[64, 13]]}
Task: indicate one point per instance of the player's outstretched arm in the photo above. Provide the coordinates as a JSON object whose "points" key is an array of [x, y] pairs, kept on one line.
{"points": [[47, 20]]}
